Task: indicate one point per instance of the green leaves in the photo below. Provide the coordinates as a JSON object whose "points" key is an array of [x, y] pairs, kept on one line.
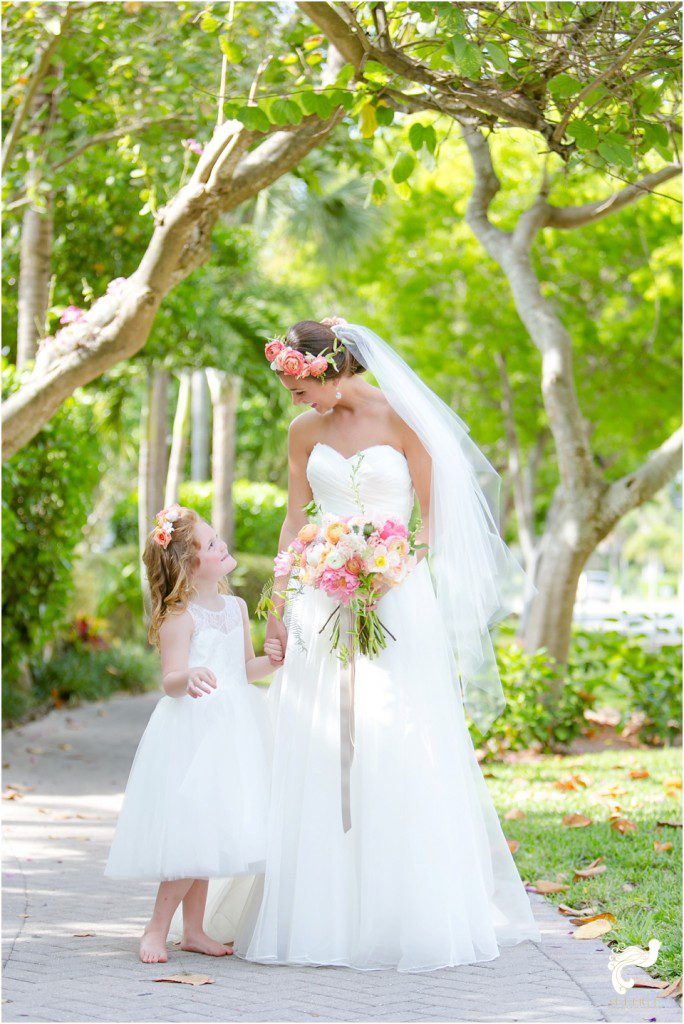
{"points": [[232, 50], [422, 135], [467, 56], [562, 86], [614, 150], [403, 167], [497, 56], [583, 133], [253, 118]]}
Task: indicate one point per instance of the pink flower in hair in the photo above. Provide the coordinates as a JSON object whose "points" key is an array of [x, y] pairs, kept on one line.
{"points": [[318, 366], [273, 348], [291, 361], [162, 537]]}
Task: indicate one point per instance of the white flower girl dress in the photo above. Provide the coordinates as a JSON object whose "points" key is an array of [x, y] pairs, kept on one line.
{"points": [[196, 802]]}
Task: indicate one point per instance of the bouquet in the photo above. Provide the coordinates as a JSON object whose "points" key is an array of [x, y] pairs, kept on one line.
{"points": [[352, 559]]}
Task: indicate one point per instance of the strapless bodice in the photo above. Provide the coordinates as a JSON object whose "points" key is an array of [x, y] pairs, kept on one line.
{"points": [[376, 481]]}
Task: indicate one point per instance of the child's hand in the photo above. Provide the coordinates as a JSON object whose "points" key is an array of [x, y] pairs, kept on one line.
{"points": [[274, 649], [200, 680]]}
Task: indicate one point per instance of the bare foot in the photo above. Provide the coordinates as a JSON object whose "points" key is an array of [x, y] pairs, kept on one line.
{"points": [[153, 948], [201, 943]]}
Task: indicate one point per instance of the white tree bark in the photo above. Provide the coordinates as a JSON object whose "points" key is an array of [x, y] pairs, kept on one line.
{"points": [[200, 443], [225, 396], [179, 440], [118, 324]]}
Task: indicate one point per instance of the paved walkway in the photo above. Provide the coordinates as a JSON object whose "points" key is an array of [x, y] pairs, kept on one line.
{"points": [[70, 936]]}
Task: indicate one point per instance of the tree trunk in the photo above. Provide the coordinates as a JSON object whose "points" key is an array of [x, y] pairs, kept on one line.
{"points": [[179, 440], [201, 405], [225, 395], [151, 463], [34, 279], [158, 441]]}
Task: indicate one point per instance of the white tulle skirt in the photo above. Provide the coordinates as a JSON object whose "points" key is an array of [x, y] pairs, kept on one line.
{"points": [[424, 878], [196, 801]]}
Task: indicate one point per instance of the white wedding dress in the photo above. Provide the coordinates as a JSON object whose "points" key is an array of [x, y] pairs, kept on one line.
{"points": [[424, 878]]}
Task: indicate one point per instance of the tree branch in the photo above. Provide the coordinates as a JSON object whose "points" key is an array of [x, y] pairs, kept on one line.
{"points": [[589, 213], [633, 489]]}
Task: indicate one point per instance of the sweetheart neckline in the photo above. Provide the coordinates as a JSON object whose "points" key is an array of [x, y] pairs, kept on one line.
{"points": [[348, 458]]}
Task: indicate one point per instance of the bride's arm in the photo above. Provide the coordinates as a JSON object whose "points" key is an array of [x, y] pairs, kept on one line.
{"points": [[420, 467], [298, 494]]}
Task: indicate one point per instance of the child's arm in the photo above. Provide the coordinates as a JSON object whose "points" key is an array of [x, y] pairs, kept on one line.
{"points": [[256, 668], [178, 678]]}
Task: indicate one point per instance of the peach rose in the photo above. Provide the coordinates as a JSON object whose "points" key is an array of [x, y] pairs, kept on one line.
{"points": [[354, 565], [308, 533], [335, 531], [318, 366], [291, 361], [273, 348], [162, 537]]}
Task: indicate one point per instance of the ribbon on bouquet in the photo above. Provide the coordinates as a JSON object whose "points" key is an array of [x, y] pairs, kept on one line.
{"points": [[347, 722]]}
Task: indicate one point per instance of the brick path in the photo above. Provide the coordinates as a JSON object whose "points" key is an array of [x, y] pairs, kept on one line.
{"points": [[56, 841]]}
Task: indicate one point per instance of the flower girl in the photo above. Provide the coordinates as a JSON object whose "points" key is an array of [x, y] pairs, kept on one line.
{"points": [[196, 800]]}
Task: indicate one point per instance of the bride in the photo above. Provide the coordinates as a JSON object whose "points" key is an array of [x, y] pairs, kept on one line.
{"points": [[415, 873]]}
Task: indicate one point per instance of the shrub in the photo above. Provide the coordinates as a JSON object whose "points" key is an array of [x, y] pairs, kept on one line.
{"points": [[259, 512], [48, 489]]}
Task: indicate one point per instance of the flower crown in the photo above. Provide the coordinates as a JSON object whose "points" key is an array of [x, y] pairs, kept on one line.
{"points": [[164, 521], [285, 359]]}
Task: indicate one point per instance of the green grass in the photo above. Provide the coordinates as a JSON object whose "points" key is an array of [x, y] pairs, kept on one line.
{"points": [[652, 909]]}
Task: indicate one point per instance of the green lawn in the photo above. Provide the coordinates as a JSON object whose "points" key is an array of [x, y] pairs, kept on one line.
{"points": [[548, 849]]}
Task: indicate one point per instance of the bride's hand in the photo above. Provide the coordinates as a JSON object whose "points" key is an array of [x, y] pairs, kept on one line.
{"points": [[275, 630]]}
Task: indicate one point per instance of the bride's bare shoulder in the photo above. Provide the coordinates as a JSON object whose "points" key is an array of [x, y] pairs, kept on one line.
{"points": [[302, 430]]}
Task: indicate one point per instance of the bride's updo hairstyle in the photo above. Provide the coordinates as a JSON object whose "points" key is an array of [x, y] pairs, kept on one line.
{"points": [[310, 336]]}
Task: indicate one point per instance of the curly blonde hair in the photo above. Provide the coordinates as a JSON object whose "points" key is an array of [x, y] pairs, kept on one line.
{"points": [[170, 570]]}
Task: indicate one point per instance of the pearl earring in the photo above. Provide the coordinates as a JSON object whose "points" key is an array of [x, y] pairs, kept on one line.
{"points": [[338, 394]]}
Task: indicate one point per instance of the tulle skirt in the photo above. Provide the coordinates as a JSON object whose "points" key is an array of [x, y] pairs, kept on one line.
{"points": [[424, 878], [196, 801]]}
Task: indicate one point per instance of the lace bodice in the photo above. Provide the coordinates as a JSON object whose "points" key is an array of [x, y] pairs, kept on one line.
{"points": [[375, 480], [218, 641]]}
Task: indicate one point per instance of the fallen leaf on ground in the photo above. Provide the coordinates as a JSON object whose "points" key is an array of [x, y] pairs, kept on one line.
{"points": [[649, 982], [639, 773], [675, 783], [661, 847], [596, 917], [11, 794], [628, 886], [514, 815], [188, 979], [570, 911], [514, 845], [597, 867], [35, 750], [83, 935], [65, 746], [576, 820], [592, 930], [674, 990], [573, 782], [669, 824], [543, 885], [623, 825]]}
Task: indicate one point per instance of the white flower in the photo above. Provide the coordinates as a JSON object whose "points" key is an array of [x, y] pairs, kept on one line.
{"points": [[335, 559], [313, 554]]}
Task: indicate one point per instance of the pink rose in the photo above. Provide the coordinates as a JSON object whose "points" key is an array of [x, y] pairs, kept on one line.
{"points": [[291, 361], [318, 366], [297, 545], [282, 563], [162, 537], [393, 528], [354, 565], [273, 348]]}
